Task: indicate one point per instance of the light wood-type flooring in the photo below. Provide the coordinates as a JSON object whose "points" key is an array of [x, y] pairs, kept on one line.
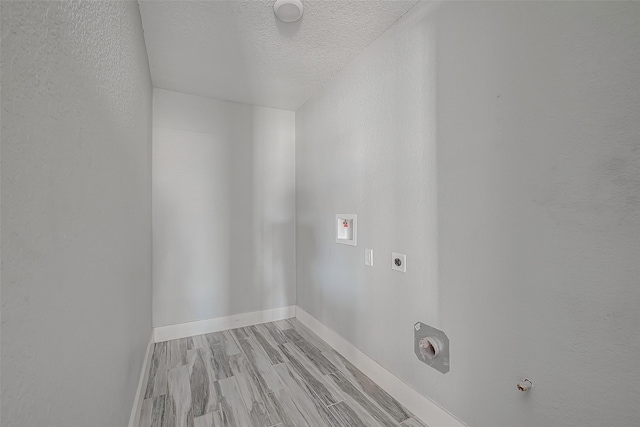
{"points": [[273, 374]]}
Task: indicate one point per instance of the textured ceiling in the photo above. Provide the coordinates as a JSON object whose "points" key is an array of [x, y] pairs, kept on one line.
{"points": [[239, 51]]}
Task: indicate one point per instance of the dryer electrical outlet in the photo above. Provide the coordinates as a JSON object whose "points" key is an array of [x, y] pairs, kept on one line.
{"points": [[399, 262]]}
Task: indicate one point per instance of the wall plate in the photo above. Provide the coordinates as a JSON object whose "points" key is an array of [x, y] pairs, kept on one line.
{"points": [[368, 257], [426, 334], [399, 262]]}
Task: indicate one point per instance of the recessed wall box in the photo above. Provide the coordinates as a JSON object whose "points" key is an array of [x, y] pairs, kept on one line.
{"points": [[347, 229]]}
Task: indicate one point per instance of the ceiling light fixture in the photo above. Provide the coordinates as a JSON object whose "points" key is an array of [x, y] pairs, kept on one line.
{"points": [[288, 10]]}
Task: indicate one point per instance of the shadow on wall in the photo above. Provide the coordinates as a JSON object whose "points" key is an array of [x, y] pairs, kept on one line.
{"points": [[326, 289], [288, 29], [223, 209], [273, 193], [367, 145], [190, 225], [75, 211]]}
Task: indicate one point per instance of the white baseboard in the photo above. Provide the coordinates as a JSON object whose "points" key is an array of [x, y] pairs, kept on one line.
{"points": [[183, 330], [134, 419], [421, 406]]}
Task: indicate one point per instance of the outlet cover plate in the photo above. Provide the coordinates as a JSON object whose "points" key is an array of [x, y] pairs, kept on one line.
{"points": [[368, 257], [398, 262]]}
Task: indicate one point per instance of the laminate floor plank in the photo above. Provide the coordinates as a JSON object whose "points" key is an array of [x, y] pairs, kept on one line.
{"points": [[230, 344], [346, 416], [363, 414], [276, 333], [289, 412], [321, 386], [257, 357], [308, 335], [204, 398], [232, 408], [316, 357], [160, 382], [326, 415], [292, 334], [157, 416], [282, 324], [214, 338], [200, 341], [357, 396], [177, 410], [297, 402], [214, 396], [183, 345], [277, 374], [225, 340], [413, 422], [241, 333], [210, 419], [253, 394], [176, 353], [221, 366], [270, 347], [190, 344], [363, 383]]}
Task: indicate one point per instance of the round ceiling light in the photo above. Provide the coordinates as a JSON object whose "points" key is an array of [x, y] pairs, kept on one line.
{"points": [[288, 10]]}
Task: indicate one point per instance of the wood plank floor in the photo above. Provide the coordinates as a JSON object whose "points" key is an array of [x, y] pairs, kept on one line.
{"points": [[273, 374]]}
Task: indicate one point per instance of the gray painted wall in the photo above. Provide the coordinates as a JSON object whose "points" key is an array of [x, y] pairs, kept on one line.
{"points": [[76, 212], [497, 145], [223, 208]]}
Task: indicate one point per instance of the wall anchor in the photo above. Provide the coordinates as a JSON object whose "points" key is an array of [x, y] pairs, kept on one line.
{"points": [[524, 385]]}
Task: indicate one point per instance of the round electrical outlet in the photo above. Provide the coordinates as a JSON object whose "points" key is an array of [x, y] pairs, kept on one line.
{"points": [[429, 348]]}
